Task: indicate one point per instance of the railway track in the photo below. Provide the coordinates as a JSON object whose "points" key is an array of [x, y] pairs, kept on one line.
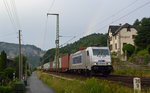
{"points": [[120, 79], [127, 80]]}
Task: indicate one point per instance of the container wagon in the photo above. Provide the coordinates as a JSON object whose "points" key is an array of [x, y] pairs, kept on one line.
{"points": [[65, 63]]}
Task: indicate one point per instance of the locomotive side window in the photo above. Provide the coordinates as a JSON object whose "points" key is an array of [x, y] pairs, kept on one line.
{"points": [[87, 53]]}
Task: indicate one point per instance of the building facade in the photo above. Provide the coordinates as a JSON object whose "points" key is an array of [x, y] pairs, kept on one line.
{"points": [[121, 35]]}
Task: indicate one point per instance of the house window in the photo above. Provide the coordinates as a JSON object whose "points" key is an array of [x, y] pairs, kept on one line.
{"points": [[133, 36], [110, 47], [110, 38], [128, 28], [116, 46]]}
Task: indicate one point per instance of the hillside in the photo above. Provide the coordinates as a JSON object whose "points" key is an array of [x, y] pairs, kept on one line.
{"points": [[32, 52], [93, 39]]}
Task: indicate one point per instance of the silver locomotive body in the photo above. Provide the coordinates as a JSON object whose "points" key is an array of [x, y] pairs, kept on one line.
{"points": [[93, 60]]}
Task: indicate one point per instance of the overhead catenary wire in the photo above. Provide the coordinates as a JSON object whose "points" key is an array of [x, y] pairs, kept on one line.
{"points": [[119, 17], [67, 41], [7, 34], [129, 13], [52, 4], [46, 23], [116, 13]]}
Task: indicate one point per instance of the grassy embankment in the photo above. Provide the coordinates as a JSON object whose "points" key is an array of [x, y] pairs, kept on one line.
{"points": [[91, 85], [121, 69]]}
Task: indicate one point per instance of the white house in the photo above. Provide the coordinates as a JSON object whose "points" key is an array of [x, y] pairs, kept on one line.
{"points": [[120, 35]]}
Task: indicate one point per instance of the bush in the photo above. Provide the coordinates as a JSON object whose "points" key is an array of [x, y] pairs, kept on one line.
{"points": [[142, 53], [2, 75], [146, 60], [6, 89], [28, 73], [9, 72], [148, 48], [129, 48], [19, 87], [34, 69]]}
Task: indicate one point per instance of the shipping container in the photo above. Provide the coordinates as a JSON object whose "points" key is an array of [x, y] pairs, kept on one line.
{"points": [[65, 62], [54, 65], [48, 66], [51, 66], [60, 63]]}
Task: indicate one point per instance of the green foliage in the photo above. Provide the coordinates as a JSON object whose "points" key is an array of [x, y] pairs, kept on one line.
{"points": [[136, 23], [148, 48], [6, 89], [34, 69], [142, 39], [93, 39], [146, 60], [16, 64], [142, 52], [129, 48], [3, 61], [28, 73], [2, 75], [122, 69], [91, 85], [9, 72], [19, 86]]}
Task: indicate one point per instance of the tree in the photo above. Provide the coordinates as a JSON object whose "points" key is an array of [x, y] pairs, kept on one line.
{"points": [[3, 61], [148, 48], [129, 48], [136, 23], [143, 35], [9, 72], [16, 63]]}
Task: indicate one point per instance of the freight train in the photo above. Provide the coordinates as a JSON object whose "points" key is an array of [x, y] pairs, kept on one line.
{"points": [[88, 61]]}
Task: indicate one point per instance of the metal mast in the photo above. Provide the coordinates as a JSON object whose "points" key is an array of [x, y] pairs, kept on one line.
{"points": [[57, 41]]}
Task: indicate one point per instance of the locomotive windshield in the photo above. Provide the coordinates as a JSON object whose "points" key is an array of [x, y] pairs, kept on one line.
{"points": [[100, 52]]}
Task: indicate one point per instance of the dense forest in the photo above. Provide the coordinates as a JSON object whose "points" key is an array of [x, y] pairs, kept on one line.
{"points": [[93, 39]]}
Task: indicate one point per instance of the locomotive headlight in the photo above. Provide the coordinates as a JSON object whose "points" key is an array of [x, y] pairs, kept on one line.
{"points": [[109, 63], [94, 63]]}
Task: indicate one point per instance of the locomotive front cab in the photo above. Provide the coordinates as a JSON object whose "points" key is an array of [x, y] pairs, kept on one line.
{"points": [[100, 60]]}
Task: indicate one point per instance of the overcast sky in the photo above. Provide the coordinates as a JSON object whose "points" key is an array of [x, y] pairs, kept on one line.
{"points": [[77, 18]]}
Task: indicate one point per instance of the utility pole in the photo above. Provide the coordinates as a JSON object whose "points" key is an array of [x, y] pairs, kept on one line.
{"points": [[57, 41], [20, 69]]}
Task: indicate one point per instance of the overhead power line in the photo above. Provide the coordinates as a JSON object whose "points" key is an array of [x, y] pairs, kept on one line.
{"points": [[14, 9], [52, 4], [129, 13], [3, 35], [116, 13], [46, 23], [12, 13], [67, 41]]}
